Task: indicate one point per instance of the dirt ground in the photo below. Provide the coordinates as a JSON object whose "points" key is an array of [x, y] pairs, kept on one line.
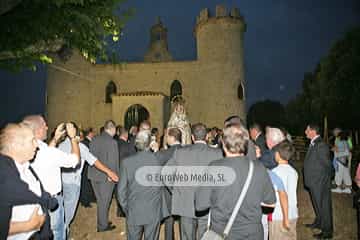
{"points": [[84, 225]]}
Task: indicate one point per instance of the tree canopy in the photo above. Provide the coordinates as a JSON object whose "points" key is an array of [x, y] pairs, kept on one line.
{"points": [[333, 89], [267, 113], [31, 29]]}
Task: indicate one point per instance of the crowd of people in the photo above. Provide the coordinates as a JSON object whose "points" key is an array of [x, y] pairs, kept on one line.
{"points": [[41, 183]]}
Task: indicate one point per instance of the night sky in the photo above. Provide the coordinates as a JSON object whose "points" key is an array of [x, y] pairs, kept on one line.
{"points": [[284, 39]]}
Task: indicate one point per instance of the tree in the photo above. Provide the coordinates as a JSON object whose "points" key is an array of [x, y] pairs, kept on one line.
{"points": [[333, 90], [267, 113], [32, 29], [340, 77]]}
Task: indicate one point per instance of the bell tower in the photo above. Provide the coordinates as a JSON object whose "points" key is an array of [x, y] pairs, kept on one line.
{"points": [[158, 48]]}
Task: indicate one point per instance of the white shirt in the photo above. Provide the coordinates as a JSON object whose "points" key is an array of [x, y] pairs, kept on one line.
{"points": [[289, 177], [48, 164], [257, 135], [313, 140], [24, 212], [73, 176]]}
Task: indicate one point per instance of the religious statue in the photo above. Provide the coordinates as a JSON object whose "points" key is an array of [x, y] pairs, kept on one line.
{"points": [[178, 119]]}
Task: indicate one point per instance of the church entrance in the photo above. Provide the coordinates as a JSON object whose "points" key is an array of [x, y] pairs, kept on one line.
{"points": [[135, 114], [131, 108]]}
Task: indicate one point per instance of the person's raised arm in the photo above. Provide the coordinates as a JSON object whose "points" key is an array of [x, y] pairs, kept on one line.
{"points": [[71, 131], [59, 132]]}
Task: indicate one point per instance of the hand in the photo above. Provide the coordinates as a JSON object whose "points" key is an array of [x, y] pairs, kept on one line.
{"points": [[71, 130], [36, 220], [286, 225], [154, 146], [257, 151], [112, 176], [59, 132]]}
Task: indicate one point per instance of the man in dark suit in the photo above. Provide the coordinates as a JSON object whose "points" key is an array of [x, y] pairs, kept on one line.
{"points": [[258, 137], [104, 147], [89, 135], [173, 140], [198, 154], [17, 148], [317, 178], [235, 120], [86, 192], [141, 203], [125, 150]]}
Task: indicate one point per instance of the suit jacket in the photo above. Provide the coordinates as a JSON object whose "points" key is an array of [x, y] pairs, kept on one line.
{"points": [[317, 164], [86, 141], [268, 159], [16, 192], [163, 156], [141, 204], [198, 154], [125, 149], [261, 143], [105, 148]]}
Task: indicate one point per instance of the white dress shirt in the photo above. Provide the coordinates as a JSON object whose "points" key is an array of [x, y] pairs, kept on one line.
{"points": [[312, 142], [48, 164], [23, 212]]}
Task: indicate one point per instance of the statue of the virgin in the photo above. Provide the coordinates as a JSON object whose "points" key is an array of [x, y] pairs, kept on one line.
{"points": [[178, 119]]}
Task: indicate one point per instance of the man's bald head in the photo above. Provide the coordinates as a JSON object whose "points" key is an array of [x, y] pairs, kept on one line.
{"points": [[17, 141]]}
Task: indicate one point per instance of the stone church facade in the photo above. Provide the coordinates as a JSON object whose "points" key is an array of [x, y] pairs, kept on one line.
{"points": [[213, 85]]}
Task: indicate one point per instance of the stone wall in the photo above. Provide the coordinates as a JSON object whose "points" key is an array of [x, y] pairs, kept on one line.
{"points": [[209, 83]]}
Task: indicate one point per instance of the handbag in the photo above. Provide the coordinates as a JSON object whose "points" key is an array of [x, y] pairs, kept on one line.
{"points": [[211, 235]]}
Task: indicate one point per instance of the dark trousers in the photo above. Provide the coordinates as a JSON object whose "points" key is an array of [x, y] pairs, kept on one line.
{"points": [[103, 192], [86, 192], [192, 228], [119, 212], [187, 228], [151, 231], [321, 200]]}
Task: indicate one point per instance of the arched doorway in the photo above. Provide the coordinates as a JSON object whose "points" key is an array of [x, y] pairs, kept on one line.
{"points": [[135, 114]]}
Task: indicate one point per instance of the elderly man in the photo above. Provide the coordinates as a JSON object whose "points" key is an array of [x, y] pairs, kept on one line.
{"points": [[141, 204], [237, 121], [48, 163], [21, 191], [125, 150], [222, 200], [198, 154], [274, 136], [104, 147]]}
